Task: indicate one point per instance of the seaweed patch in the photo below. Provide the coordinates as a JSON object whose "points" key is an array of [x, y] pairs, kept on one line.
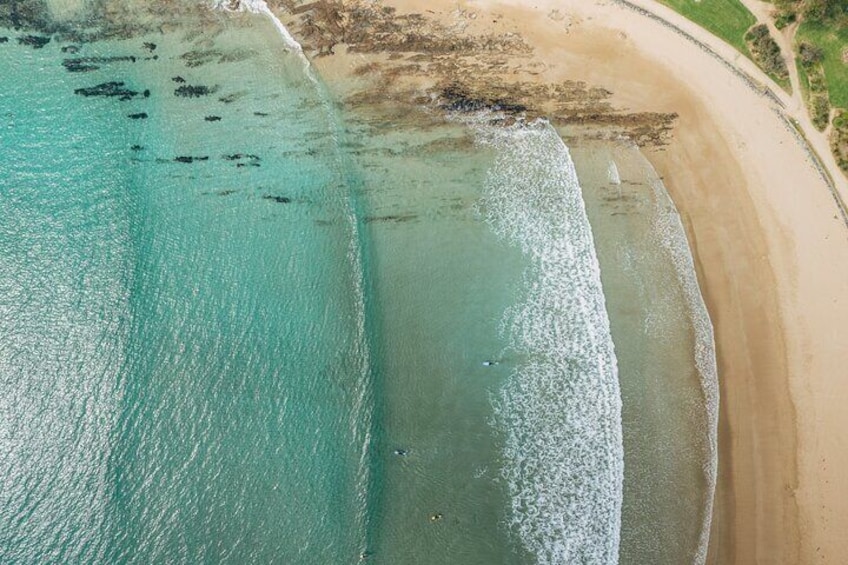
{"points": [[240, 156], [110, 89], [197, 58], [457, 99], [244, 159], [88, 64], [278, 199], [34, 41], [230, 98], [395, 218], [185, 159], [189, 91]]}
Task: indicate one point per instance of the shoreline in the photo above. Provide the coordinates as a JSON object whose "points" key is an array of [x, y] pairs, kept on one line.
{"points": [[770, 248]]}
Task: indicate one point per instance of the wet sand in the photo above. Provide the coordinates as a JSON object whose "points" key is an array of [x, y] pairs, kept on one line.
{"points": [[770, 243]]}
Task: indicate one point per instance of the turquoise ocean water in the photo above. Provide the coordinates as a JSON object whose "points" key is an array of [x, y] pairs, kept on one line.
{"points": [[239, 326]]}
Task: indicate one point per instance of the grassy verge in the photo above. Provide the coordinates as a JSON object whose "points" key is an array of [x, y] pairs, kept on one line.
{"points": [[727, 19], [831, 41]]}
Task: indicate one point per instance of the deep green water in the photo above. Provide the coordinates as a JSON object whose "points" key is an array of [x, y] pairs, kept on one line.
{"points": [[245, 329]]}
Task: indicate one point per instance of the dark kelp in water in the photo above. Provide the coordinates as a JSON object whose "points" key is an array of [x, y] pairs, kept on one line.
{"points": [[34, 41], [277, 199], [184, 159], [189, 91], [111, 89], [87, 64]]}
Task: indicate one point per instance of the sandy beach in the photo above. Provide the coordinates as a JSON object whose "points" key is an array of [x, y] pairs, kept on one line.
{"points": [[770, 242], [771, 251]]}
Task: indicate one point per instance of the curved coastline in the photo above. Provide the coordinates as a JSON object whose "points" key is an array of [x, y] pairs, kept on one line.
{"points": [[768, 242], [767, 259], [765, 218]]}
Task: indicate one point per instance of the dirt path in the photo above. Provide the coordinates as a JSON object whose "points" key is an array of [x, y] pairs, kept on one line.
{"points": [[789, 105], [785, 40]]}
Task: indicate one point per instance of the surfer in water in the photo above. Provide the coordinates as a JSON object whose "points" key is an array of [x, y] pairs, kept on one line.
{"points": [[488, 363]]}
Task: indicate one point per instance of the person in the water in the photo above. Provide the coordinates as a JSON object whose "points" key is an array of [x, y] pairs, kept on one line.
{"points": [[401, 452], [488, 363]]}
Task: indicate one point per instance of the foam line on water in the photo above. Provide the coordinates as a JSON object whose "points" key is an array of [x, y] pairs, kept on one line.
{"points": [[560, 410], [612, 173], [668, 228], [260, 7]]}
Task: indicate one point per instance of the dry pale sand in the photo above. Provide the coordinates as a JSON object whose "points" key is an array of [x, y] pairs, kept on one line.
{"points": [[771, 249]]}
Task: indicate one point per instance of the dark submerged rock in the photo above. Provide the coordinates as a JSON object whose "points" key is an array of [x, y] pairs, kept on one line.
{"points": [[394, 218], [72, 49], [4, 39], [110, 89], [178, 79], [34, 41], [139, 116], [182, 159], [278, 199], [137, 147], [149, 46], [457, 99], [87, 64], [197, 58], [212, 118], [240, 156], [260, 114], [230, 98], [76, 67], [189, 91]]}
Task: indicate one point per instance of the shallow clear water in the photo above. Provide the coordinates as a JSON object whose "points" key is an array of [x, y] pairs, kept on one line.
{"points": [[238, 327], [666, 356]]}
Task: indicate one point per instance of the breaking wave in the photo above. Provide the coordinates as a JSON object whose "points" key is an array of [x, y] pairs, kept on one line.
{"points": [[560, 410]]}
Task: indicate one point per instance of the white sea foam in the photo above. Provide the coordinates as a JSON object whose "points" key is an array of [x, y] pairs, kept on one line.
{"points": [[668, 228], [560, 410], [612, 173], [260, 7]]}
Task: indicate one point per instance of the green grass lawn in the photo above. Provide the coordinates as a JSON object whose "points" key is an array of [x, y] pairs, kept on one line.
{"points": [[727, 19], [832, 42]]}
